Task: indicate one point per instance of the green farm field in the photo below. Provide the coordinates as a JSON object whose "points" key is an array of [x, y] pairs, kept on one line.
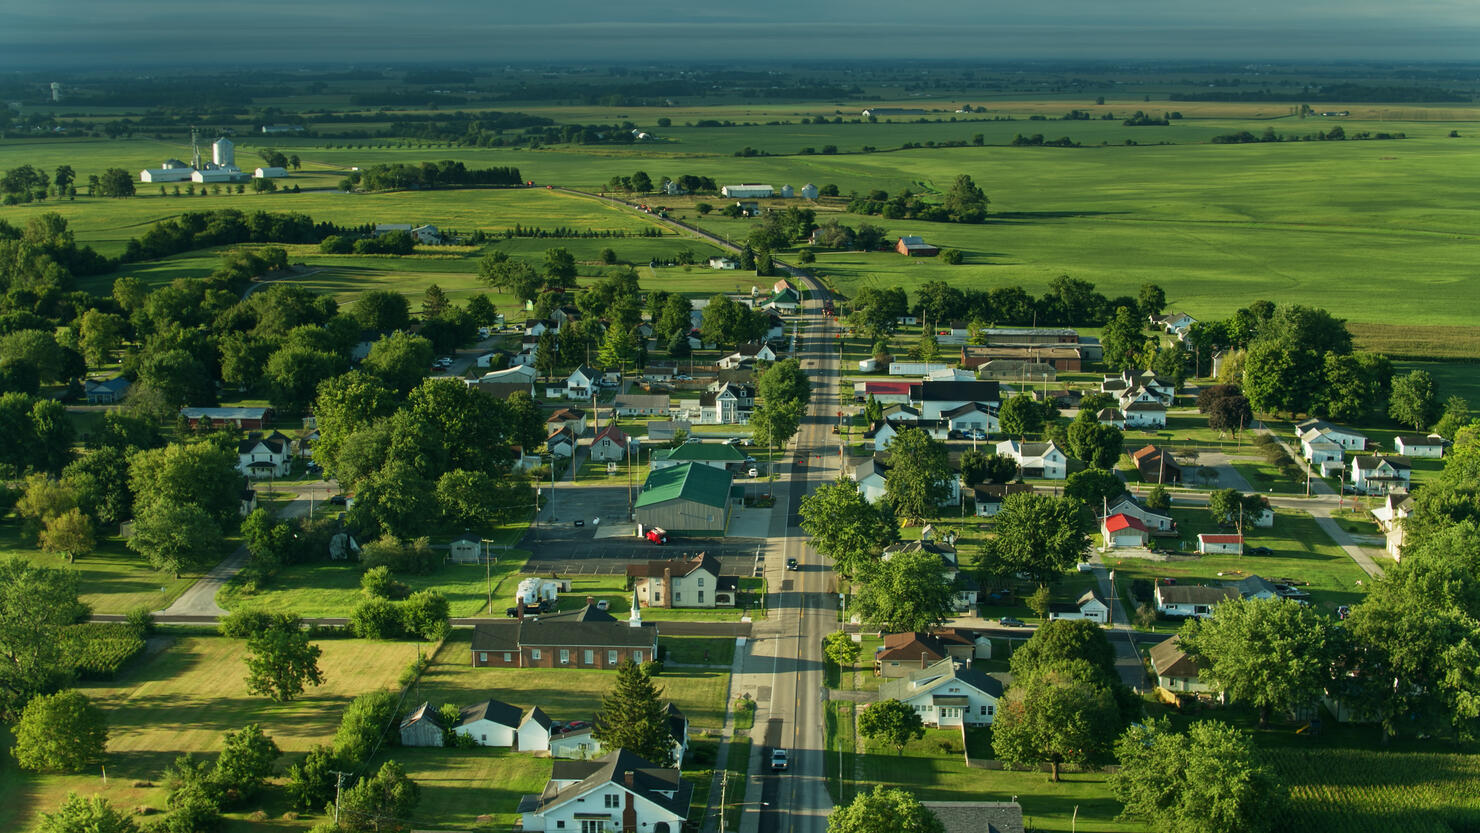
{"points": [[181, 701]]}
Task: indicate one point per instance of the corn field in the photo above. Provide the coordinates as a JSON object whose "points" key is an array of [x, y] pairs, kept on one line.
{"points": [[1371, 791]]}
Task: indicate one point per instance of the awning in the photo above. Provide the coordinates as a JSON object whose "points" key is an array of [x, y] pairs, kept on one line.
{"points": [[950, 700]]}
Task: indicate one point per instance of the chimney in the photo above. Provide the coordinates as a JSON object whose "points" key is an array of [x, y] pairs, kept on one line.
{"points": [[668, 587], [627, 778]]}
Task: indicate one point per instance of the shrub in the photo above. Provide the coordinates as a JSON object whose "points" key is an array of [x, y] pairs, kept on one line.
{"points": [[140, 620], [366, 719], [426, 614], [652, 668], [245, 624], [378, 583], [376, 619], [97, 650], [951, 256]]}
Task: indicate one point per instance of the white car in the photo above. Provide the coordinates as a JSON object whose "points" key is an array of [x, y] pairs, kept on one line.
{"points": [[778, 760]]}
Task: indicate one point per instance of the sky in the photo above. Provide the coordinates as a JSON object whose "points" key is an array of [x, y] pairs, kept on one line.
{"points": [[47, 34]]}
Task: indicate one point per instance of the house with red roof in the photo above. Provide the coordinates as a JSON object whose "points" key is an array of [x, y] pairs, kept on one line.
{"points": [[1122, 530], [610, 444], [1211, 543]]}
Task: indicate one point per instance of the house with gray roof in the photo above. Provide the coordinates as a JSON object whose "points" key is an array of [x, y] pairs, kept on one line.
{"points": [[618, 791], [946, 694], [978, 816], [489, 723], [586, 638]]}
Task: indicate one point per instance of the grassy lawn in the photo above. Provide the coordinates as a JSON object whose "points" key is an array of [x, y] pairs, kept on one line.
{"points": [[460, 785], [113, 578], [698, 650], [182, 700], [1265, 478], [333, 588], [564, 693], [737, 760], [1302, 551]]}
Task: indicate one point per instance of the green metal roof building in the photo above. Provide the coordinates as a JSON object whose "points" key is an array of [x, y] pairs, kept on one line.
{"points": [[690, 498]]}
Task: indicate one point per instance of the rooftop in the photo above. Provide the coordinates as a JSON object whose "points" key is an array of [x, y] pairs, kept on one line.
{"points": [[689, 481]]}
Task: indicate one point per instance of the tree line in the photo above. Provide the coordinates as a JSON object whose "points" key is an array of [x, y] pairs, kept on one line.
{"points": [[400, 176]]}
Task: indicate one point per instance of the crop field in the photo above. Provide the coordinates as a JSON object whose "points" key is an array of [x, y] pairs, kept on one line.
{"points": [[1370, 790], [182, 700]]}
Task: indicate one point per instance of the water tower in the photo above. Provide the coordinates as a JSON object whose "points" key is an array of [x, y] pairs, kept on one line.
{"points": [[56, 91]]}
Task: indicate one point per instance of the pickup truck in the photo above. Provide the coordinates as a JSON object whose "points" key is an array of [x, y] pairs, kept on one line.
{"points": [[778, 760]]}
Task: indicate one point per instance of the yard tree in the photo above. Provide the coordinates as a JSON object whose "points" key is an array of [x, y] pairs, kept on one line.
{"points": [[1057, 716], [919, 474], [884, 810], [891, 722], [1096, 444], [1280, 378], [1125, 340], [1209, 778], [721, 321], [1020, 416], [560, 268], [618, 348], [381, 802], [1041, 535], [473, 427], [840, 649], [246, 762], [516, 277], [1230, 507], [86, 815], [281, 660], [674, 317], [632, 717], [1414, 401], [1159, 498], [35, 604], [526, 422], [973, 467], [42, 499], [70, 533], [176, 537], [172, 378], [434, 303], [1353, 385], [1269, 653], [1456, 416], [311, 781], [363, 726], [381, 310], [62, 732], [1094, 487], [1001, 468], [101, 333], [346, 404], [1172, 363], [200, 474], [99, 479], [908, 592], [843, 524], [773, 425], [785, 381], [1064, 642], [293, 375], [939, 301], [1151, 300], [1212, 393], [425, 613], [1230, 414], [400, 360]]}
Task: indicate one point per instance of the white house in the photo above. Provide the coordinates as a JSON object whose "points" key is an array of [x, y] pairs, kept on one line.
{"points": [[561, 443], [572, 418], [1256, 587], [989, 496], [973, 416], [581, 743], [1209, 543], [1185, 600], [1419, 446], [881, 433], [785, 301], [1175, 669], [1348, 439], [1153, 520], [643, 404], [609, 445], [682, 582], [947, 695], [1145, 415], [1320, 449], [534, 731], [752, 352], [1390, 515], [582, 382], [259, 457], [722, 262], [936, 398], [1124, 530], [617, 792], [871, 475], [1175, 323], [730, 405], [1036, 459], [1379, 475], [489, 723], [1089, 606]]}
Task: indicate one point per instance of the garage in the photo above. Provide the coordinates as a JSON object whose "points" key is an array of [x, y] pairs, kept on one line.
{"points": [[688, 499]]}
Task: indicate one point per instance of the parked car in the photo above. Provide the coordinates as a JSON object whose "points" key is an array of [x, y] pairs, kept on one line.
{"points": [[337, 500], [753, 472], [778, 760], [603, 604], [1011, 622], [1260, 551], [577, 724]]}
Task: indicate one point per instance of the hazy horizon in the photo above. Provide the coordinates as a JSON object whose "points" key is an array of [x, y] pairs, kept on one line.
{"points": [[102, 33]]}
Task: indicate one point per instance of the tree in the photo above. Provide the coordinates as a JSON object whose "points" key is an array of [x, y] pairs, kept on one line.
{"points": [[1040, 535], [86, 815], [1456, 416], [785, 381], [1151, 300], [560, 268], [1230, 413], [116, 182], [1230, 507], [1279, 378], [840, 649], [1172, 363], [965, 202], [1056, 716], [294, 373], [919, 474], [891, 810], [1093, 487], [382, 311], [425, 613], [1159, 498], [1269, 653], [201, 474], [1096, 444], [281, 660], [974, 467], [70, 533], [1415, 400], [311, 782], [399, 360], [907, 592], [1001, 468], [176, 537], [843, 524], [1124, 340], [365, 723], [773, 425], [246, 761], [380, 803], [1020, 416], [35, 604], [632, 717], [100, 334], [62, 732], [891, 722], [1209, 778], [99, 479]]}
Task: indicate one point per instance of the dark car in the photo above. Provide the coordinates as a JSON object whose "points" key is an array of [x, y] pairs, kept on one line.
{"points": [[1260, 551], [792, 564], [576, 724], [337, 500], [1011, 622]]}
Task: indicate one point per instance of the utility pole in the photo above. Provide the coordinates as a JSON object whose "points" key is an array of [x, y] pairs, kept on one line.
{"points": [[338, 789]]}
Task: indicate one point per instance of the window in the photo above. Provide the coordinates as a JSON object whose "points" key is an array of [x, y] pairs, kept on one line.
{"points": [[613, 801], [483, 739], [593, 825], [637, 657], [508, 656], [983, 709], [701, 597], [589, 657], [701, 581], [611, 657], [657, 596], [565, 656], [560, 823], [677, 597], [991, 709], [534, 654], [482, 657]]}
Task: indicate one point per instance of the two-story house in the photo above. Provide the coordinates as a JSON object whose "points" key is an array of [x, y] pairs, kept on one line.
{"points": [[1036, 459], [682, 582], [258, 457], [609, 445], [1380, 475], [945, 694], [936, 398], [617, 792], [582, 382], [731, 404]]}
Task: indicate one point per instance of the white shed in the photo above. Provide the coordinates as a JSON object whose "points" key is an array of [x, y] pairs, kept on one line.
{"points": [[489, 723], [270, 173], [534, 731]]}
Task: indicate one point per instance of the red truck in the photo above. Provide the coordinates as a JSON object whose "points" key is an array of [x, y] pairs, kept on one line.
{"points": [[658, 535]]}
